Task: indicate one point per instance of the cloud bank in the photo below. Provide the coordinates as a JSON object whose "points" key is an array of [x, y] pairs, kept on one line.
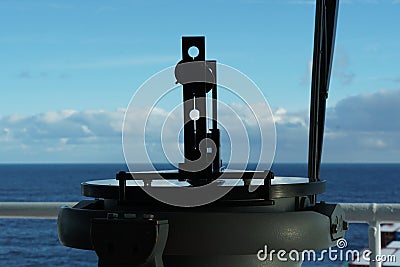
{"points": [[360, 128]]}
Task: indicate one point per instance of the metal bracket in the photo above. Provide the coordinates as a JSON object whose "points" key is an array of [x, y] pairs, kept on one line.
{"points": [[129, 242]]}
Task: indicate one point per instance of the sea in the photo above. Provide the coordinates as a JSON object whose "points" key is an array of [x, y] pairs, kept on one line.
{"points": [[34, 242]]}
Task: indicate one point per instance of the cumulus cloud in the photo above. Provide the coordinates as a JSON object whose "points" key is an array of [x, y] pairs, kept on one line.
{"points": [[59, 135], [360, 128], [292, 135], [377, 111], [69, 124], [365, 127]]}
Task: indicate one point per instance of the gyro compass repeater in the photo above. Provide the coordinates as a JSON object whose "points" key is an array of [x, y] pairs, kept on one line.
{"points": [[128, 224]]}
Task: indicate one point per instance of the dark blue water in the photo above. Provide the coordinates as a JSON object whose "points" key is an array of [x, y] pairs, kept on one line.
{"points": [[35, 242]]}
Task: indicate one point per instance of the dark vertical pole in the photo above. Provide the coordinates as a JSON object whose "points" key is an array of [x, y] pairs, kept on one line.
{"points": [[315, 92], [328, 42], [324, 41]]}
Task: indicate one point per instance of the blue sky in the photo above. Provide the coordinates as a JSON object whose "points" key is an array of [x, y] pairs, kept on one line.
{"points": [[78, 63]]}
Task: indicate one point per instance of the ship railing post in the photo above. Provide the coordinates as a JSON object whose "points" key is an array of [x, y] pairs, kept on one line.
{"points": [[374, 240]]}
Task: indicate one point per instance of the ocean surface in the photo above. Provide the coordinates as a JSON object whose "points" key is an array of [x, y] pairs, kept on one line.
{"points": [[28, 242]]}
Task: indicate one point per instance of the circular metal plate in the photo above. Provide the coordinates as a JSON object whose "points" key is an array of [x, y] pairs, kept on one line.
{"points": [[281, 187]]}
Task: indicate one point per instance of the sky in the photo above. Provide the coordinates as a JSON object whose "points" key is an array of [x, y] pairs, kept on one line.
{"points": [[68, 70]]}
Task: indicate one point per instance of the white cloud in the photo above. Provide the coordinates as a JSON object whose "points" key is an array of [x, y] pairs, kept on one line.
{"points": [[55, 116], [60, 130], [281, 116]]}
